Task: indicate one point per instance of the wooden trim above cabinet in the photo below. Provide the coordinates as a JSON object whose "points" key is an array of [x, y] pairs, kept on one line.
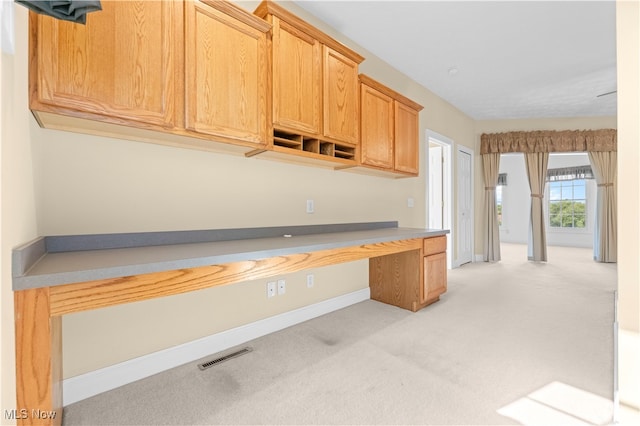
{"points": [[267, 7], [389, 92], [238, 13]]}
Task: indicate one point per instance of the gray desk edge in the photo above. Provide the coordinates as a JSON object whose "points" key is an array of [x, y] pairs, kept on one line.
{"points": [[27, 255]]}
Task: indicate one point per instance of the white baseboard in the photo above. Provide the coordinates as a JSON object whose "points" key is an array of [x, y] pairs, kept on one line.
{"points": [[86, 385]]}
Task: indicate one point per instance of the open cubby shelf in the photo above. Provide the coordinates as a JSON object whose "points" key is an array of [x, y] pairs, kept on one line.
{"points": [[299, 142]]}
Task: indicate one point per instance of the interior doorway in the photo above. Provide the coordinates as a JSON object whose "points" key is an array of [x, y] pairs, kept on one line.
{"points": [[439, 184], [465, 205]]}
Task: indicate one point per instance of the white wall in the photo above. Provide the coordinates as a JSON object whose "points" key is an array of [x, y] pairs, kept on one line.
{"points": [[17, 201], [517, 202], [87, 184], [628, 58]]}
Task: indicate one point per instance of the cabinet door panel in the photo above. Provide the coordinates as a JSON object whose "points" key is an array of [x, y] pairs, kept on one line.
{"points": [[226, 75], [123, 63], [406, 139], [376, 128], [435, 276], [340, 92], [296, 78]]}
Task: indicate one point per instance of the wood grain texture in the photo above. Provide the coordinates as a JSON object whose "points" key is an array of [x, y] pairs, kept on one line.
{"points": [[395, 279], [341, 98], [78, 297], [226, 73], [389, 92], [125, 62], [268, 7], [435, 277], [435, 245], [297, 78], [376, 128], [407, 139], [38, 359]]}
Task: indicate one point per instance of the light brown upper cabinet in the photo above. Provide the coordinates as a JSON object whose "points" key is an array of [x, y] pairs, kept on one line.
{"points": [[376, 132], [124, 65], [227, 73], [340, 96], [314, 91], [297, 78], [123, 74], [389, 130]]}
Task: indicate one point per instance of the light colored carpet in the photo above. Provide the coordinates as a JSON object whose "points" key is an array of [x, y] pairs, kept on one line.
{"points": [[505, 335]]}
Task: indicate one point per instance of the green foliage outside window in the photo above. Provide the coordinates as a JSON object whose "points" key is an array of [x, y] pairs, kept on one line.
{"points": [[567, 204]]}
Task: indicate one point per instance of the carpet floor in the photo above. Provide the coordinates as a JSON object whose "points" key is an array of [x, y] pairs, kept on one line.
{"points": [[513, 342]]}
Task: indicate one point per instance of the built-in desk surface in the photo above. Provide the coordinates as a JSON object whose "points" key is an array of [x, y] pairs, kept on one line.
{"points": [[59, 260], [57, 275]]}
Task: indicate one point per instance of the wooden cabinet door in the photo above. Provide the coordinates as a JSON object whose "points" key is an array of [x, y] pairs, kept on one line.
{"points": [[376, 128], [435, 276], [407, 152], [125, 63], [226, 73], [340, 97], [297, 78]]}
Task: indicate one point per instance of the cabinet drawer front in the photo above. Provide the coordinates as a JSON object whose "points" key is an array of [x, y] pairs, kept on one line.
{"points": [[435, 245]]}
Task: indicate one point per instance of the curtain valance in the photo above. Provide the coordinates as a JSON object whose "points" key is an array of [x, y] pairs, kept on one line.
{"points": [[570, 173], [549, 141]]}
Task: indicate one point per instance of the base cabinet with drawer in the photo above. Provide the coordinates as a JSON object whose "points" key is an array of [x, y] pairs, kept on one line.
{"points": [[411, 279], [435, 269]]}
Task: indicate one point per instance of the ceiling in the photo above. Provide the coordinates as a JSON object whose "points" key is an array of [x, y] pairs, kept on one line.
{"points": [[510, 59]]}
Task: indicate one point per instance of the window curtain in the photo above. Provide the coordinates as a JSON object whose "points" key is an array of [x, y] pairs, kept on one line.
{"points": [[606, 229], [536, 164], [491, 165]]}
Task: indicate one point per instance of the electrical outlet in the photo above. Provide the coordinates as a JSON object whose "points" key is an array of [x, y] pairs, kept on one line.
{"points": [[271, 289], [310, 280], [282, 287], [310, 206]]}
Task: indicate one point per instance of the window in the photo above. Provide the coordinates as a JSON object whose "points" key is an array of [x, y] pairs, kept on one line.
{"points": [[567, 204]]}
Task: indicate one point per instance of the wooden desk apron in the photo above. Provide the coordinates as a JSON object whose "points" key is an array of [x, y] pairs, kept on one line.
{"points": [[58, 275]]}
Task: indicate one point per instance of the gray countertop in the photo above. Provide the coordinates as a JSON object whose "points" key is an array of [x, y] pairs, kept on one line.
{"points": [[58, 260]]}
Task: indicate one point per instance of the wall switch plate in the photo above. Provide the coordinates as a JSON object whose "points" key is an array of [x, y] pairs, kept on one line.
{"points": [[282, 287], [410, 202], [271, 289], [310, 281], [310, 206]]}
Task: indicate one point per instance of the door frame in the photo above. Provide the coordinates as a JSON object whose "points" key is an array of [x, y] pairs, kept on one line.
{"points": [[469, 152], [448, 146]]}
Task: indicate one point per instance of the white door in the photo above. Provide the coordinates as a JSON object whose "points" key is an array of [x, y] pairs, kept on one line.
{"points": [[439, 171], [436, 202], [465, 207]]}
